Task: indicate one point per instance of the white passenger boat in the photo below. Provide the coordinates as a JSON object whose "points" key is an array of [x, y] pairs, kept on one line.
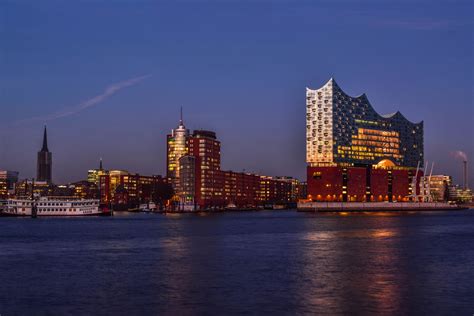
{"points": [[49, 206]]}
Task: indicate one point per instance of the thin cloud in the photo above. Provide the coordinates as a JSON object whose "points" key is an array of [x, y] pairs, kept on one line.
{"points": [[420, 24], [108, 92]]}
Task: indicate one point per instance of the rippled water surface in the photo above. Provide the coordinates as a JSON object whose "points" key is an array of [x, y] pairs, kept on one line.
{"points": [[279, 262]]}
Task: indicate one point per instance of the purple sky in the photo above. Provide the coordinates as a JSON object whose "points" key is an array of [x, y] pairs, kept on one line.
{"points": [[108, 78]]}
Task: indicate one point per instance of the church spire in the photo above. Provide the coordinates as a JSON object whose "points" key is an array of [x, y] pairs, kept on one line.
{"points": [[44, 164], [45, 141]]}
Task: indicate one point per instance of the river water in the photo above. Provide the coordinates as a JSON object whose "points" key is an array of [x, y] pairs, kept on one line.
{"points": [[278, 262]]}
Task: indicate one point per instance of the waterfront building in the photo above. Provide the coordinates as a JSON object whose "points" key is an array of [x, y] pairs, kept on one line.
{"points": [[25, 188], [3, 189], [188, 171], [177, 147], [200, 183], [84, 190], [355, 154], [241, 189], [93, 175], [148, 187], [302, 191], [274, 190], [438, 186], [119, 187], [62, 190], [8, 180], [459, 194], [109, 182], [296, 188], [45, 161], [206, 149], [251, 190]]}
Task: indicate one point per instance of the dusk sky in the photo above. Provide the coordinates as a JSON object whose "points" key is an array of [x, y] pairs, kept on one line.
{"points": [[109, 77]]}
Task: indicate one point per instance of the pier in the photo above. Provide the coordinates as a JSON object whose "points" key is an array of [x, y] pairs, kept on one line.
{"points": [[376, 206]]}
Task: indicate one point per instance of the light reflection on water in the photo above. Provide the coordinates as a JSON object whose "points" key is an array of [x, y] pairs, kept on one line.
{"points": [[350, 269], [265, 262]]}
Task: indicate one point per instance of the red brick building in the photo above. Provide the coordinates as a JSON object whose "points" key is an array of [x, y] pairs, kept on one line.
{"points": [[359, 184], [200, 183], [204, 146], [251, 190], [120, 187]]}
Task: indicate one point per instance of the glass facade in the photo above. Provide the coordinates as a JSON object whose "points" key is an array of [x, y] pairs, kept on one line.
{"points": [[176, 148], [347, 131]]}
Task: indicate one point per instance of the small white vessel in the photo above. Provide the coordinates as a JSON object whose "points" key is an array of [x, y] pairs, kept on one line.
{"points": [[53, 206], [148, 207], [230, 207]]}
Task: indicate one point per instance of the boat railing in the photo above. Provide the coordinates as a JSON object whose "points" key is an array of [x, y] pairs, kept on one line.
{"points": [[54, 198]]}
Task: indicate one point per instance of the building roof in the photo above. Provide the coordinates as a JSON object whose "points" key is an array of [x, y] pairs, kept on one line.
{"points": [[363, 96]]}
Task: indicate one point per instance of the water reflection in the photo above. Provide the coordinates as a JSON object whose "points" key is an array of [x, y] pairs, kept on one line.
{"points": [[243, 263], [350, 269], [173, 269], [383, 276], [189, 276]]}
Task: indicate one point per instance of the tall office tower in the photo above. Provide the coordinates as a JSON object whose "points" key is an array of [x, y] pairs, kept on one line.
{"points": [[355, 154], [177, 147], [206, 149], [44, 163]]}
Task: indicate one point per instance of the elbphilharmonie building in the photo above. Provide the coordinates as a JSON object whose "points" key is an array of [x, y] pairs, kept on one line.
{"points": [[355, 154]]}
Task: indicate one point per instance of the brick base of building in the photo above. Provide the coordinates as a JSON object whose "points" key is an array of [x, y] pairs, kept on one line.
{"points": [[359, 184]]}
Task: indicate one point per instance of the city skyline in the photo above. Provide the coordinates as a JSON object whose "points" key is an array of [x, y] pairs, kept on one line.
{"points": [[460, 156], [209, 157], [242, 97]]}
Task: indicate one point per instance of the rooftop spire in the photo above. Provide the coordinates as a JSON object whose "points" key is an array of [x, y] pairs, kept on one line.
{"points": [[100, 164], [45, 140], [181, 117]]}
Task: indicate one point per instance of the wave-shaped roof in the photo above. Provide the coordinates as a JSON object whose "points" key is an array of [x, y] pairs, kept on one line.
{"points": [[363, 97]]}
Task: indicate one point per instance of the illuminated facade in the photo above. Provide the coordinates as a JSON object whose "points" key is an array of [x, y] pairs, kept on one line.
{"points": [[176, 148], [93, 175], [84, 190], [206, 149], [8, 180], [459, 194], [25, 188], [355, 154], [188, 173], [3, 188], [438, 185], [345, 130], [298, 189], [194, 169], [115, 181], [120, 187]]}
